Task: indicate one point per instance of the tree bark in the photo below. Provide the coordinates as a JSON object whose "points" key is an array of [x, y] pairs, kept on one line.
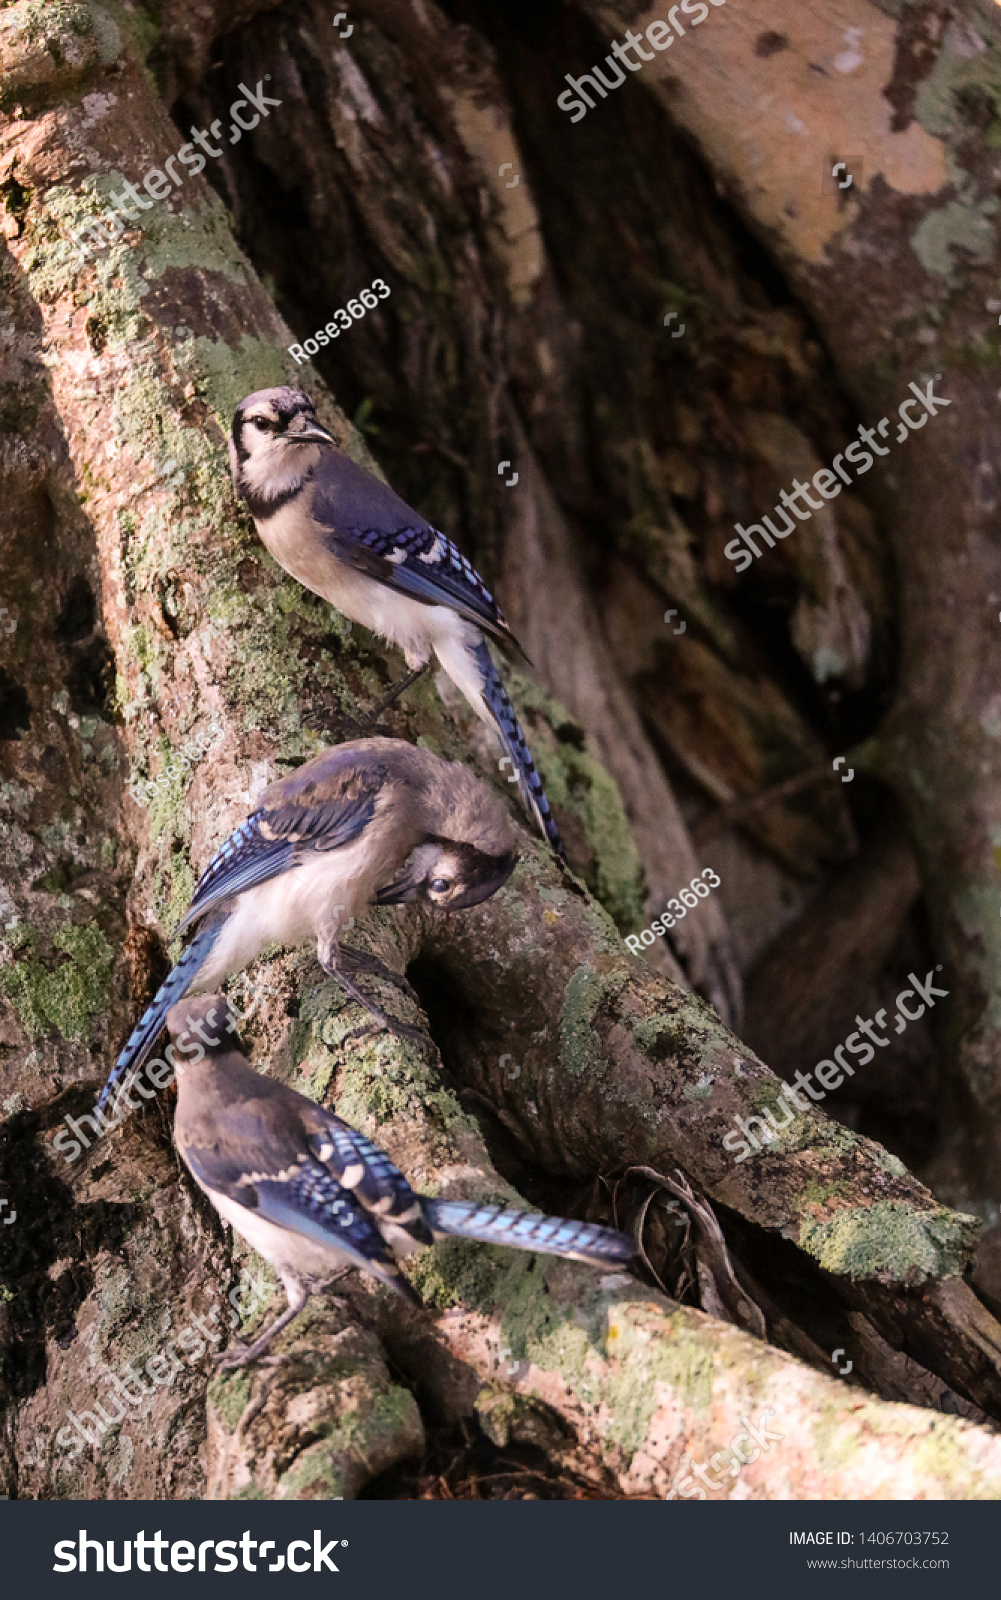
{"points": [[147, 611], [917, 107]]}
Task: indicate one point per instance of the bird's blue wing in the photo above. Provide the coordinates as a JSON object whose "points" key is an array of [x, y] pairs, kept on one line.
{"points": [[361, 1167], [244, 859], [368, 527], [299, 1196], [272, 841], [311, 1202], [274, 1137]]}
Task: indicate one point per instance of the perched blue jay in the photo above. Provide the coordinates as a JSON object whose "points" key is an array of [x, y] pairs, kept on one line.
{"points": [[377, 822], [345, 535], [313, 1196]]}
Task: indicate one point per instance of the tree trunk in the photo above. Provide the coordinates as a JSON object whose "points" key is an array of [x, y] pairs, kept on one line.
{"points": [[526, 326]]}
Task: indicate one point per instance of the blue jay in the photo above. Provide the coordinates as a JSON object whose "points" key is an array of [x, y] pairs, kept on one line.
{"points": [[345, 535], [313, 1196], [377, 822]]}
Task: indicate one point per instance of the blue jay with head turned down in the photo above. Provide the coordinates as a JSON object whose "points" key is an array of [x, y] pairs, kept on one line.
{"points": [[376, 822], [315, 1197], [344, 534]]}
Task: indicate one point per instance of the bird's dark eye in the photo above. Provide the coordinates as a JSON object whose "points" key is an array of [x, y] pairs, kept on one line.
{"points": [[265, 424], [439, 885]]}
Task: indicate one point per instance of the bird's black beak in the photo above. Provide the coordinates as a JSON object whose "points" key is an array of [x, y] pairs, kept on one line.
{"points": [[403, 890], [483, 875], [305, 431], [491, 876], [410, 884]]}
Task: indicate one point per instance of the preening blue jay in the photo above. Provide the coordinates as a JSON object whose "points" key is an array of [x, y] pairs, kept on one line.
{"points": [[345, 535], [313, 1196], [377, 822]]}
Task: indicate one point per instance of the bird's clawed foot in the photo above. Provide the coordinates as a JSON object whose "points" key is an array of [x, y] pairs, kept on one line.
{"points": [[329, 722], [336, 724], [385, 1024], [363, 961], [394, 694], [237, 1354], [402, 1029]]}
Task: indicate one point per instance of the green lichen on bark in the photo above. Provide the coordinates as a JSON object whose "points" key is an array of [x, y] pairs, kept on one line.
{"points": [[966, 226], [49, 19], [374, 1091], [381, 1079], [597, 1340], [683, 1359], [336, 1420], [576, 781], [834, 1445], [53, 45], [462, 1272], [945, 1455], [610, 1348], [966, 222], [892, 1242], [65, 997], [338, 1464], [580, 1047], [954, 75], [229, 1394]]}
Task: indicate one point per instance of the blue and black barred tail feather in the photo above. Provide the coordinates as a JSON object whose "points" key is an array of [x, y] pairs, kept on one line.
{"points": [[529, 783], [528, 1230], [173, 988]]}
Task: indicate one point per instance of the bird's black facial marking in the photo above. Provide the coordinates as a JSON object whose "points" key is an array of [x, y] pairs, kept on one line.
{"points": [[485, 876], [461, 876], [238, 441]]}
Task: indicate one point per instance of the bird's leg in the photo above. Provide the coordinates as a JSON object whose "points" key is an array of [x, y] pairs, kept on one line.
{"points": [[337, 1278], [402, 1029], [239, 1354], [328, 956], [337, 723], [362, 961], [394, 694]]}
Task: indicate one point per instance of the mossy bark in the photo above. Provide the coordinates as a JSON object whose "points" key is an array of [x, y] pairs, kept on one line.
{"points": [[899, 277], [125, 551]]}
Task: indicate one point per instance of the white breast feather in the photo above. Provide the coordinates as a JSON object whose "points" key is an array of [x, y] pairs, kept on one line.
{"points": [[417, 629], [291, 1254], [296, 906]]}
